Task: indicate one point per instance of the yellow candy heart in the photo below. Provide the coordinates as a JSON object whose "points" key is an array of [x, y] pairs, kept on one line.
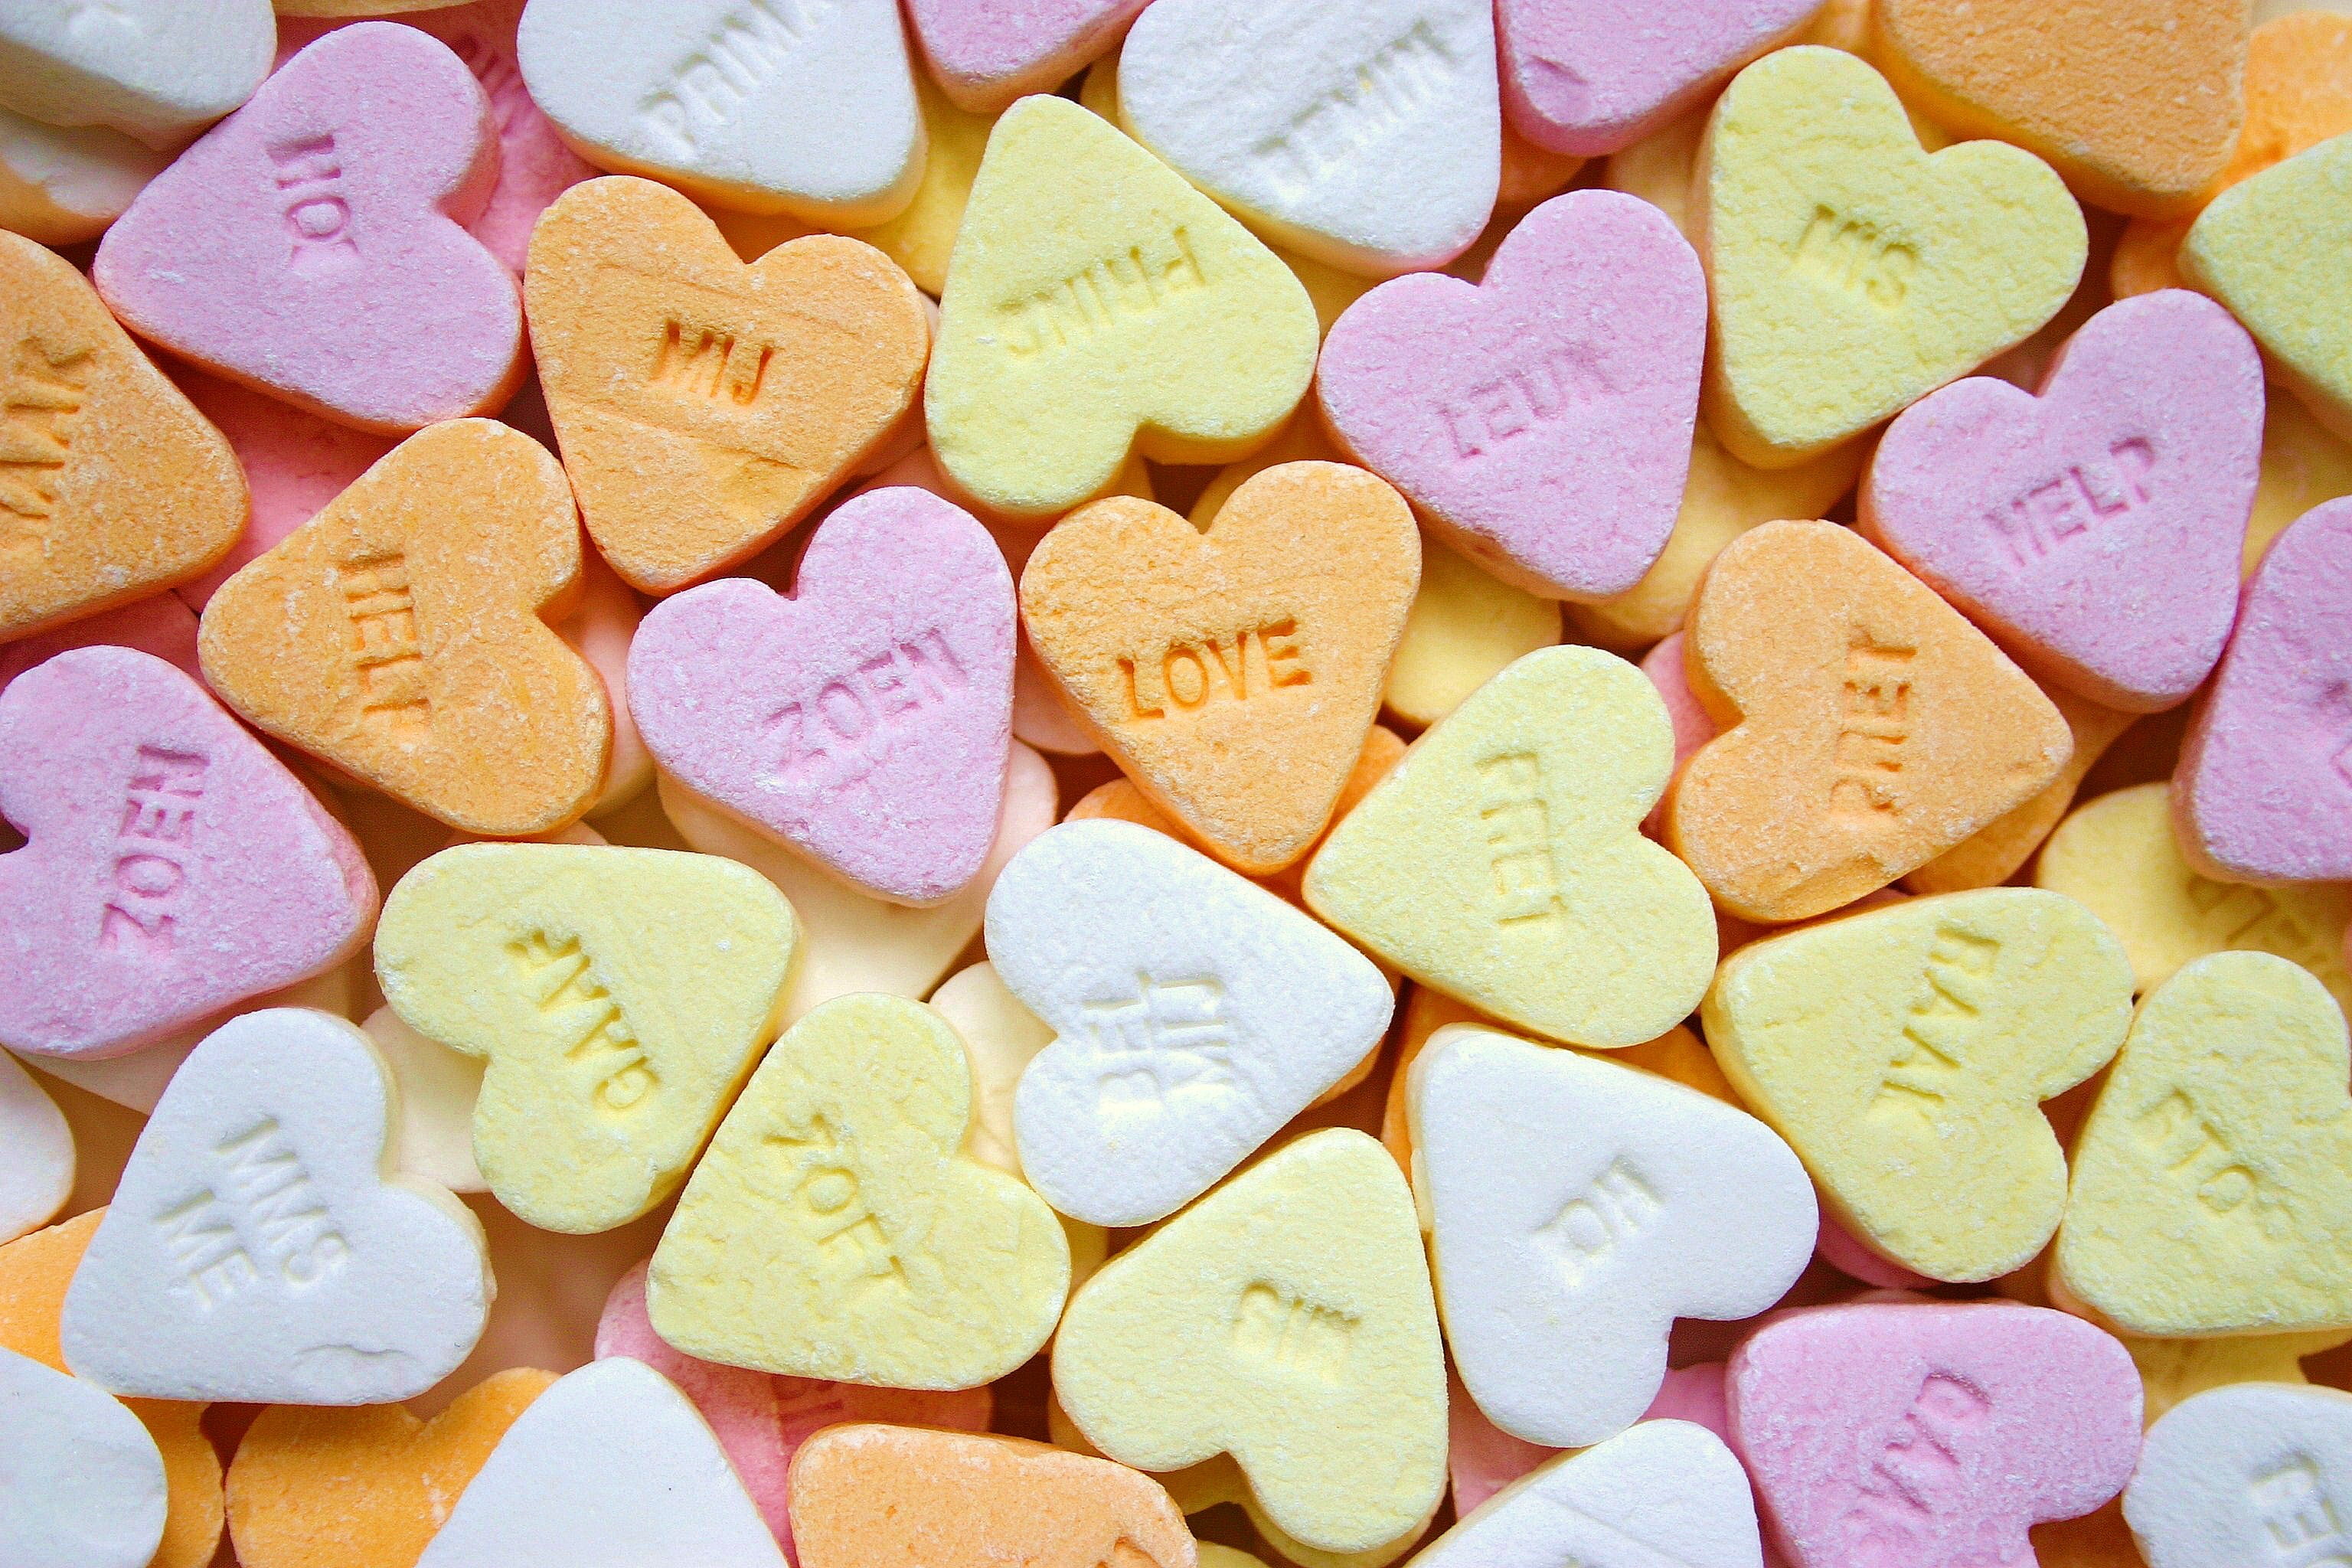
{"points": [[2212, 1190], [2173, 1370], [1503, 861], [1905, 1053], [837, 1230], [1097, 302], [1852, 270], [621, 997], [1288, 1319]]}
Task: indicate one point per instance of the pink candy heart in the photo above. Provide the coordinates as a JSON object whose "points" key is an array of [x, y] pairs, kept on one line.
{"points": [[1915, 1435], [864, 722], [986, 53], [1589, 77], [2264, 789], [311, 245], [2095, 530], [174, 866], [1542, 419]]}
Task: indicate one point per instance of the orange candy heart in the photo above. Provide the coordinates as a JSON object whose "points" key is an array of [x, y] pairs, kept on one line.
{"points": [[705, 406]]}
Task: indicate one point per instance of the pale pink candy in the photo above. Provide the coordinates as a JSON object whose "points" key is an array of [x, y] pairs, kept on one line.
{"points": [[535, 166], [1692, 728], [2264, 792], [2093, 531], [162, 625], [1842, 1250], [174, 866], [1917, 1436], [312, 244], [761, 1419], [1589, 77], [1542, 419], [864, 722], [986, 53]]}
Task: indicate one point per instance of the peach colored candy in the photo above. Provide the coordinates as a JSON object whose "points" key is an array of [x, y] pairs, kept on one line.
{"points": [[601, 629], [314, 1488], [162, 625], [402, 634], [111, 487], [705, 406], [762, 1418], [866, 1495], [1995, 852], [1871, 728], [34, 1273], [2138, 104]]}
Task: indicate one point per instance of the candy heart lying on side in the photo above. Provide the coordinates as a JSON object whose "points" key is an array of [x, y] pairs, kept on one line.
{"points": [[155, 69], [2250, 1473], [81, 1483]]}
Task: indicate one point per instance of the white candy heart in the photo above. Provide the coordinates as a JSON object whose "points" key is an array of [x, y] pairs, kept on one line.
{"points": [[81, 1483], [1579, 1206], [258, 1249], [1195, 1014], [2249, 1473], [157, 69], [611, 1467], [1367, 136], [1667, 1494], [36, 1153]]}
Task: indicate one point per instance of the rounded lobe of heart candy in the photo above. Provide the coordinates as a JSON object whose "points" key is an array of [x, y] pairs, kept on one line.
{"points": [[986, 53], [2093, 531], [154, 69], [1543, 419], [311, 245], [2244, 1474], [864, 722], [2264, 786], [81, 1483]]}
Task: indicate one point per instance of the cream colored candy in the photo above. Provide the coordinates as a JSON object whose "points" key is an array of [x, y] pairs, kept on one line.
{"points": [[439, 1086], [61, 184], [37, 1154], [2303, 465], [1465, 625]]}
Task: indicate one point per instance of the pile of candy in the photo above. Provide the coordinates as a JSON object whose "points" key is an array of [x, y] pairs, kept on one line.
{"points": [[805, 785]]}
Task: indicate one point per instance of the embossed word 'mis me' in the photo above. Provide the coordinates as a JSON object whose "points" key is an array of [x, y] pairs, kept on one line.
{"points": [[1186, 675], [151, 849], [1377, 96], [1933, 1049], [743, 53], [1107, 293], [386, 659], [1851, 256], [259, 1224], [1287, 1333], [846, 728], [576, 1003], [40, 405], [1535, 392], [829, 1203], [2045, 516], [1874, 702], [1166, 1038]]}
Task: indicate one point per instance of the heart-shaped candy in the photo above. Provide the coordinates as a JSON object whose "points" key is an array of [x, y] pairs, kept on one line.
{"points": [[154, 69], [865, 720], [326, 1489], [2173, 1372], [1286, 1320], [986, 53], [1231, 675], [1543, 418], [2093, 530], [1503, 861], [610, 1467], [1852, 272], [1930, 1436], [1866, 726], [836, 1229], [1590, 76], [175, 867], [112, 486], [403, 634], [1194, 1015], [1904, 1054], [705, 406], [1994, 853], [312, 245], [1095, 304], [256, 1250], [2253, 1473], [1577, 1209], [2213, 1182], [2264, 792], [81, 1483], [39, 1173], [622, 996]]}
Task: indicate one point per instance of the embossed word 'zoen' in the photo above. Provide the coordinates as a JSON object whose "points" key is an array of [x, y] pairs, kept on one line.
{"points": [[159, 821]]}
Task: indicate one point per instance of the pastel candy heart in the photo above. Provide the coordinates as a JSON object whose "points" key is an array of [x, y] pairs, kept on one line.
{"points": [[110, 486], [1869, 727], [1577, 1209], [1503, 862], [152, 68], [1194, 1015], [403, 634], [1097, 304], [1366, 136], [257, 1250], [1904, 1054], [38, 1175], [61, 185], [1286, 1320], [81, 1483], [1920, 1435], [1852, 272], [2173, 1372], [2212, 1183], [836, 1230], [986, 53], [611, 1467], [705, 406], [1465, 626], [312, 245], [1587, 79], [1542, 419], [2248, 1474], [2264, 788], [2000, 849], [161, 626], [1233, 675], [2095, 529], [175, 867], [622, 996], [864, 720]]}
